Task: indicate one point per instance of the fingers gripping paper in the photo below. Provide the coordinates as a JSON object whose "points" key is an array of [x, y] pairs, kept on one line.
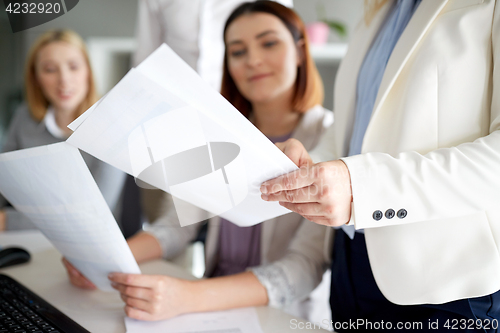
{"points": [[53, 187], [165, 126]]}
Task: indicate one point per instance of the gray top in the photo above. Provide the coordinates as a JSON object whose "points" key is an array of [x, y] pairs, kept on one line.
{"points": [[25, 132]]}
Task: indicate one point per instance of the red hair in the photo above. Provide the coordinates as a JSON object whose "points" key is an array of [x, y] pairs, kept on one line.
{"points": [[308, 85]]}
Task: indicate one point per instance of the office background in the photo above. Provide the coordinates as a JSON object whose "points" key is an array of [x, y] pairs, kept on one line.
{"points": [[108, 27]]}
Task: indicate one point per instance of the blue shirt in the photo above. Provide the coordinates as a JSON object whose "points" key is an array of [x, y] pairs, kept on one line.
{"points": [[372, 70]]}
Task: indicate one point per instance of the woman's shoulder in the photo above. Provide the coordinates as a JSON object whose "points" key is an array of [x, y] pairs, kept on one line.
{"points": [[22, 111], [20, 125], [314, 123], [320, 115], [26, 132], [315, 117], [22, 115]]}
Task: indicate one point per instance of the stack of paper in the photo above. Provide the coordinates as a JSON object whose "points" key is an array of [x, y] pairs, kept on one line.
{"points": [[165, 126]]}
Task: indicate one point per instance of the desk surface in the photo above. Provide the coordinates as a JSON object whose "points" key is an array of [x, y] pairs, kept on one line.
{"points": [[98, 311]]}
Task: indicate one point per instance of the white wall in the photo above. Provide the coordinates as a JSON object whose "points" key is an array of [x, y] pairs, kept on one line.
{"points": [[348, 12]]}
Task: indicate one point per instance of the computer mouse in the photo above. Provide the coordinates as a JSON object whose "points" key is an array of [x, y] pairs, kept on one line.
{"points": [[13, 256]]}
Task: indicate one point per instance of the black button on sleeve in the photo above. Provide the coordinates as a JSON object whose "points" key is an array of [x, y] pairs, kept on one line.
{"points": [[390, 213], [402, 213], [377, 215]]}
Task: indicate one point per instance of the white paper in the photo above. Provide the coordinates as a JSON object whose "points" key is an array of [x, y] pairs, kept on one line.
{"points": [[78, 121], [54, 188], [164, 108], [232, 321]]}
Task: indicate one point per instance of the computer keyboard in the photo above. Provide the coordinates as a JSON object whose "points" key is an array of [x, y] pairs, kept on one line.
{"points": [[22, 311]]}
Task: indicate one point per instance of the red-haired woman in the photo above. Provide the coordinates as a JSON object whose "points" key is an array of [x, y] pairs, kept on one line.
{"points": [[270, 77]]}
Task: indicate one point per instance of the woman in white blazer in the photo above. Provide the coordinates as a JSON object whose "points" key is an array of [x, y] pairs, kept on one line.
{"points": [[425, 187], [270, 77]]}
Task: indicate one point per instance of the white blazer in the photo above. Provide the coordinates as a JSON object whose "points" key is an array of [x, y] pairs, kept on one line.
{"points": [[432, 148]]}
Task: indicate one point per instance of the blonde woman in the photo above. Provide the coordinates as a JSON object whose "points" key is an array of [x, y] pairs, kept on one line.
{"points": [[59, 87]]}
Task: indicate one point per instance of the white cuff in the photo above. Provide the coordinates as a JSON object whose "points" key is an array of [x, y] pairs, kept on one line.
{"points": [[279, 290]]}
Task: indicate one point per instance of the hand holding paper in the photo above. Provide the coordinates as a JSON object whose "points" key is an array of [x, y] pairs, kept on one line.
{"points": [[165, 126], [54, 188]]}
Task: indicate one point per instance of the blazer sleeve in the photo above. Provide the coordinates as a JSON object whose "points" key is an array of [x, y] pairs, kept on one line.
{"points": [[295, 275], [445, 183]]}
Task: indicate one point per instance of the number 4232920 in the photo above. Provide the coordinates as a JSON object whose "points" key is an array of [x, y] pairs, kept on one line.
{"points": [[33, 8]]}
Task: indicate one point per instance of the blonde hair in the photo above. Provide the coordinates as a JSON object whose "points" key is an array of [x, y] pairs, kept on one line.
{"points": [[37, 102], [371, 9]]}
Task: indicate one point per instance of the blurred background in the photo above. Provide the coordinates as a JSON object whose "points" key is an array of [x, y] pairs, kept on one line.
{"points": [[108, 27]]}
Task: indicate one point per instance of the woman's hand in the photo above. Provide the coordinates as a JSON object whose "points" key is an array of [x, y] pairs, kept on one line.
{"points": [[77, 278], [152, 297], [144, 247], [320, 192]]}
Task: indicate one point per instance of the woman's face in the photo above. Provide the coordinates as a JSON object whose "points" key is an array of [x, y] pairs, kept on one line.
{"points": [[63, 75], [262, 57]]}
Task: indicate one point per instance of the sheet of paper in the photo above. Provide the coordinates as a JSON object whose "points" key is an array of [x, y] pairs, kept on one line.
{"points": [[168, 70], [54, 188], [164, 125], [78, 121], [232, 321]]}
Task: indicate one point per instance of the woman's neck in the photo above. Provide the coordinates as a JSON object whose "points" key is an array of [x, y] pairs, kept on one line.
{"points": [[63, 119], [275, 118]]}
